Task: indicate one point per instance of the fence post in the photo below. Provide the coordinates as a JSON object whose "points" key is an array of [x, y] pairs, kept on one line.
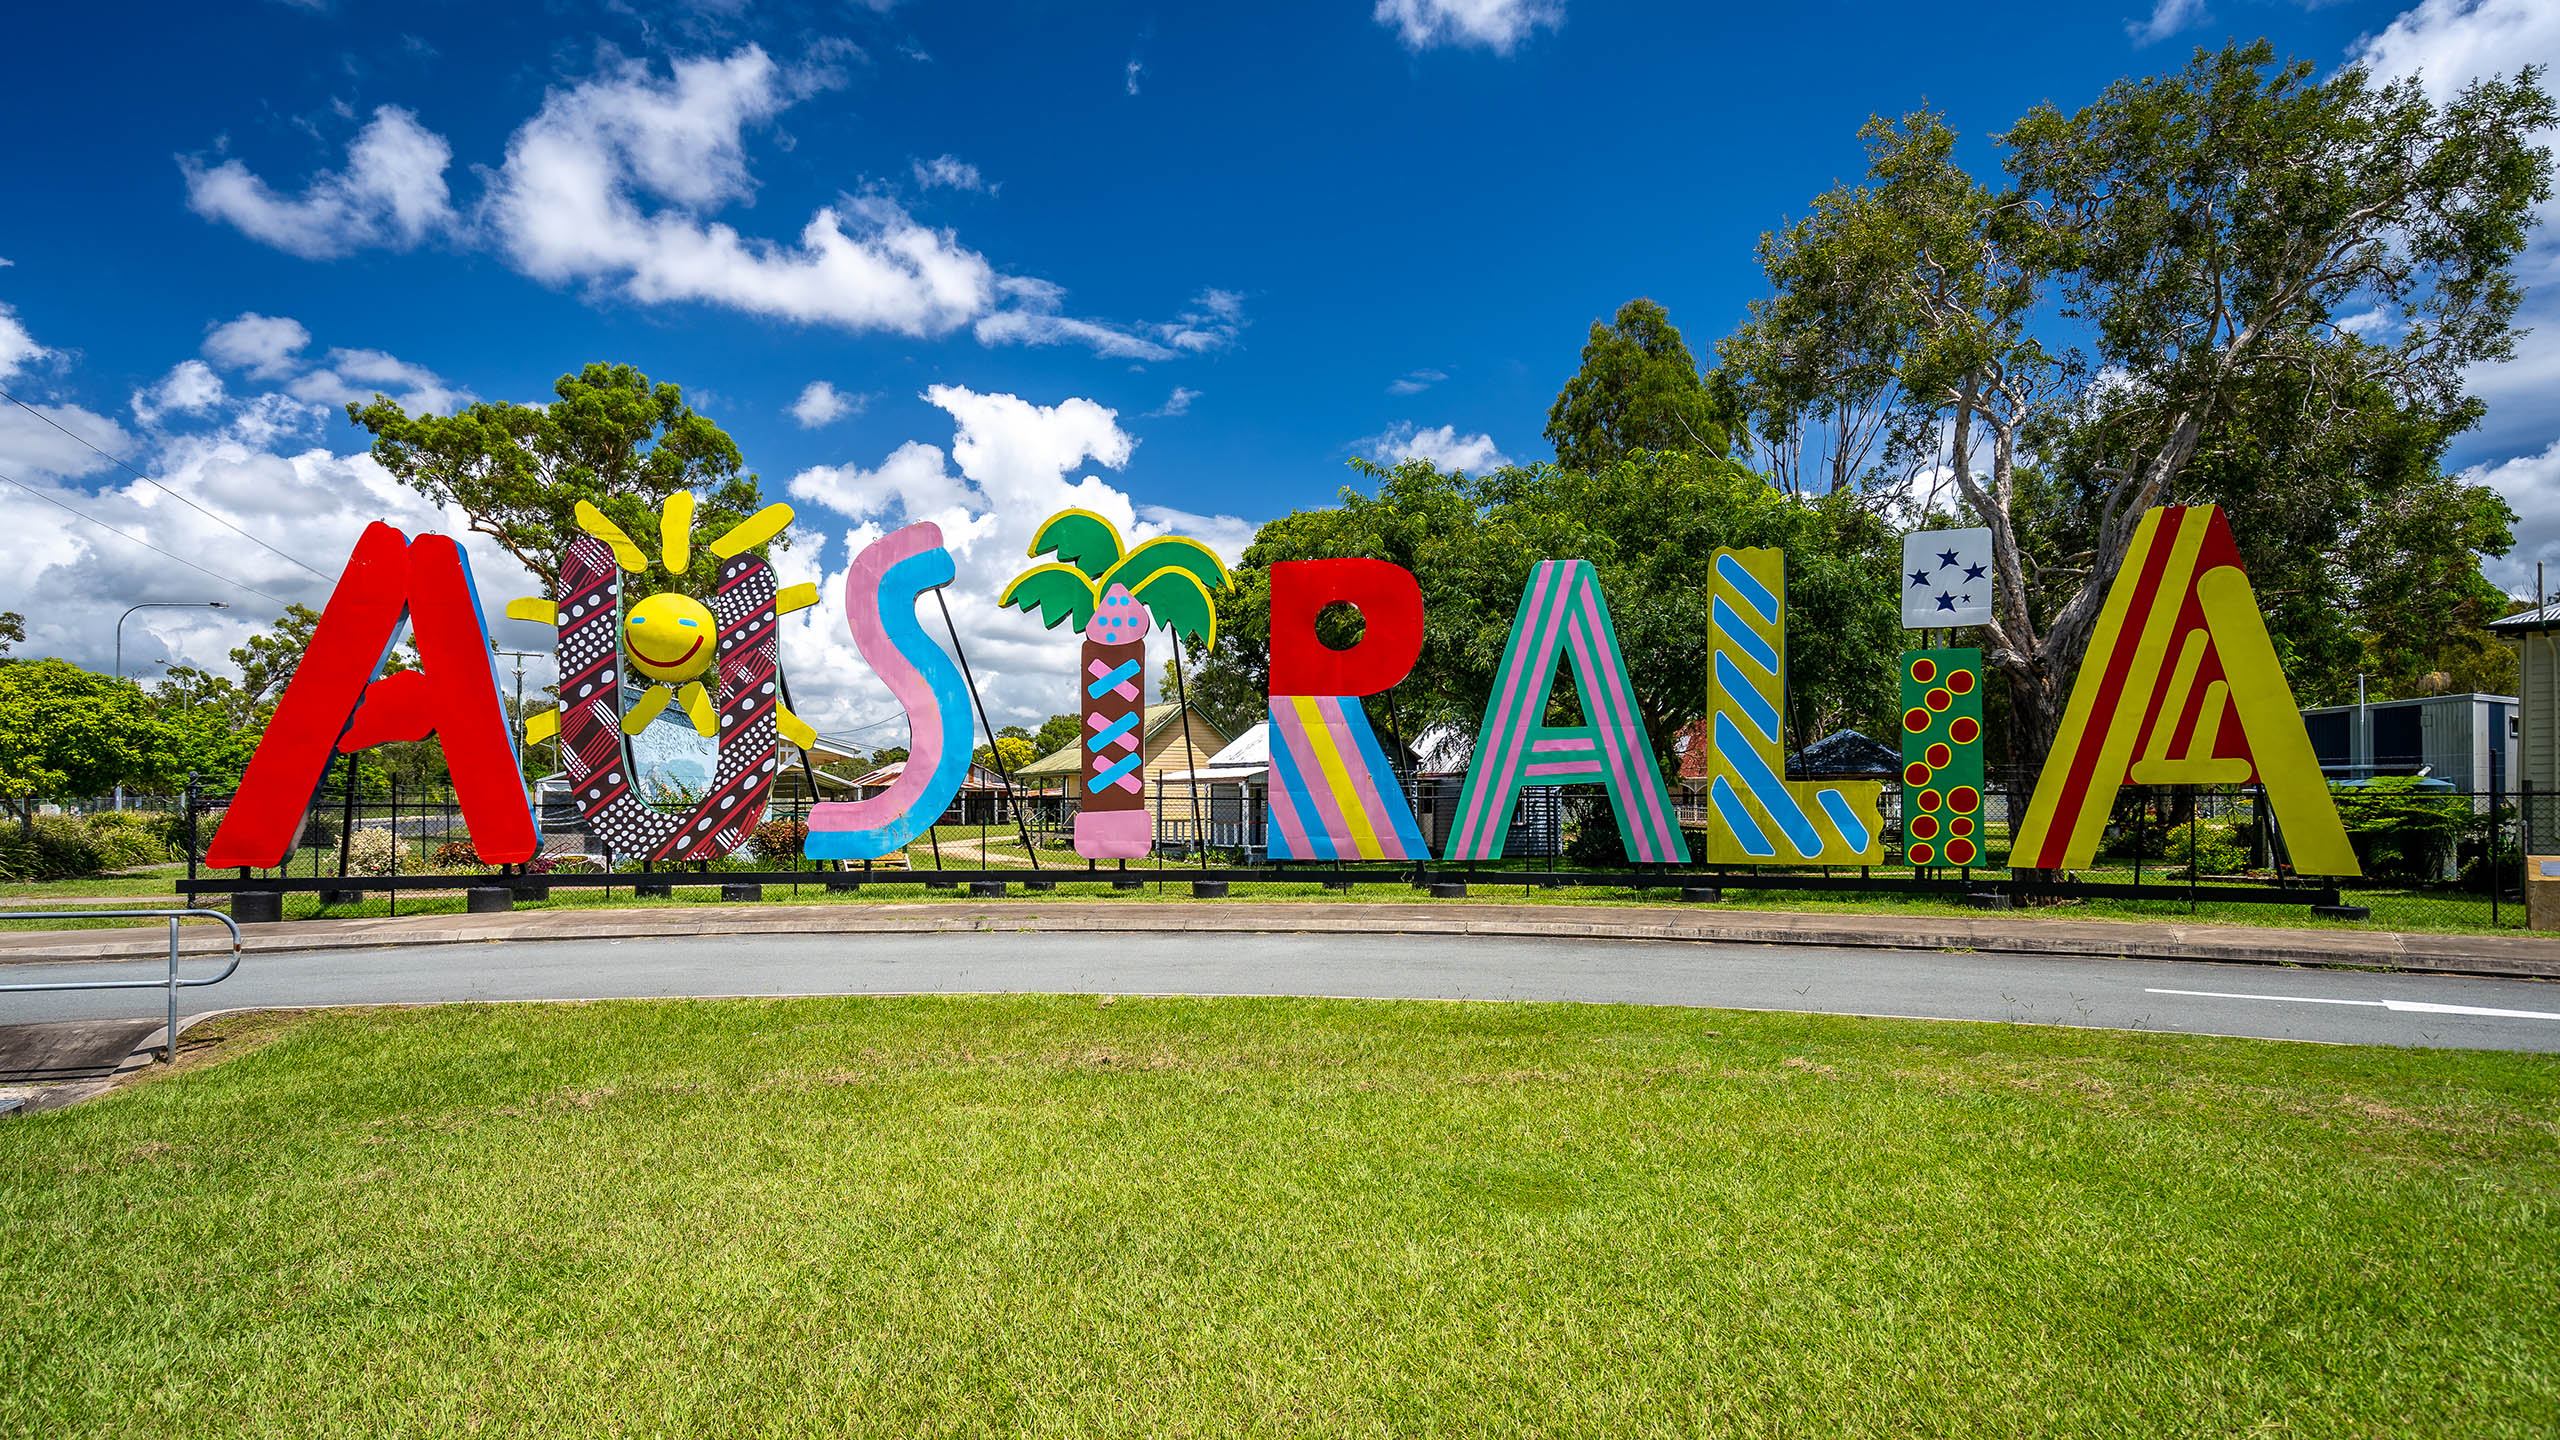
{"points": [[169, 1051]]}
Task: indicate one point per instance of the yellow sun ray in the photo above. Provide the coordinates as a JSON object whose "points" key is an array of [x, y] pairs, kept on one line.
{"points": [[697, 703], [637, 718], [595, 522], [535, 608], [675, 532], [753, 531], [796, 597], [794, 729], [541, 726]]}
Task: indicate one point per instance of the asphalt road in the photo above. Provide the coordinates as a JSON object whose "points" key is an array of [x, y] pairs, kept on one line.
{"points": [[2278, 1004]]}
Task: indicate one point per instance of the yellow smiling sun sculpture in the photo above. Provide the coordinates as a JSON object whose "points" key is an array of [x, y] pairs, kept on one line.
{"points": [[670, 637]]}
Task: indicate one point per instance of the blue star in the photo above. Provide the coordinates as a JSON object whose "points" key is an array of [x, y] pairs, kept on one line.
{"points": [[1920, 577], [1946, 557], [1946, 602], [1973, 572]]}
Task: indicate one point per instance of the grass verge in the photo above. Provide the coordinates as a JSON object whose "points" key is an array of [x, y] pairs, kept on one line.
{"points": [[955, 1216]]}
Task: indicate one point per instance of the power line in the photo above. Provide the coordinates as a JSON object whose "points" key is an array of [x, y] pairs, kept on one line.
{"points": [[145, 544], [156, 485]]}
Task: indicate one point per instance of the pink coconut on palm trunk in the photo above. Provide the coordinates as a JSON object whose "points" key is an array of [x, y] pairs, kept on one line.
{"points": [[1112, 821]]}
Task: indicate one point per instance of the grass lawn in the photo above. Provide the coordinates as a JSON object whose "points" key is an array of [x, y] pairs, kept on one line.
{"points": [[2395, 910], [963, 1216]]}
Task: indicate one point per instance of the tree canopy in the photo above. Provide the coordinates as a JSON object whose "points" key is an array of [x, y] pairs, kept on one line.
{"points": [[1638, 389], [1649, 523], [610, 438], [2232, 284], [68, 733]]}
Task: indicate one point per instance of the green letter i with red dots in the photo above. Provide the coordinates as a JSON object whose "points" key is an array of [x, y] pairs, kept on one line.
{"points": [[1942, 757]]}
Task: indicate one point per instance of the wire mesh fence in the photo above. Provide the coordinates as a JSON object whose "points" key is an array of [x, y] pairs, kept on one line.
{"points": [[2433, 857]]}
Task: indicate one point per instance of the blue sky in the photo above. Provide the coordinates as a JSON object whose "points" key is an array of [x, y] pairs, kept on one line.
{"points": [[1263, 238]]}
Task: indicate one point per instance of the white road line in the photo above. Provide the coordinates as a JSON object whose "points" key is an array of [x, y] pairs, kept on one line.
{"points": [[2419, 1007]]}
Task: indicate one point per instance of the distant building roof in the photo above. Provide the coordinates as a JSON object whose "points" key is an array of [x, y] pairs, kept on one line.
{"points": [[981, 777], [2523, 620], [1247, 757], [1068, 761]]}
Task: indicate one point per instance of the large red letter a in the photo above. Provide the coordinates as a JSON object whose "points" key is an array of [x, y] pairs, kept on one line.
{"points": [[334, 703]]}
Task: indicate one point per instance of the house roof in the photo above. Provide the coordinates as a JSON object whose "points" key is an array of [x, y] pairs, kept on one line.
{"points": [[981, 777], [1247, 757], [1067, 761], [2523, 620]]}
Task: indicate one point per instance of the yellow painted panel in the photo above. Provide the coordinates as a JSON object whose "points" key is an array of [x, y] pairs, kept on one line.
{"points": [[2200, 771], [753, 531], [2287, 764], [595, 522], [638, 717]]}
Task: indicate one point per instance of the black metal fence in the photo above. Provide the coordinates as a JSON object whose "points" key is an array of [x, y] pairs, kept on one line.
{"points": [[2432, 858]]}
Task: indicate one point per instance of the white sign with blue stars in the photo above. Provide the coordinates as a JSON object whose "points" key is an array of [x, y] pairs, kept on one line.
{"points": [[1946, 578]]}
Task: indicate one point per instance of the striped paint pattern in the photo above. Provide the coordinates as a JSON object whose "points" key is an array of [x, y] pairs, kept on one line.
{"points": [[1333, 795], [592, 749], [1562, 612], [2180, 685], [1761, 816]]}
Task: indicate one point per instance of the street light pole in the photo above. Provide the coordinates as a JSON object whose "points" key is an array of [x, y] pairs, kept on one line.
{"points": [[520, 659], [154, 605]]}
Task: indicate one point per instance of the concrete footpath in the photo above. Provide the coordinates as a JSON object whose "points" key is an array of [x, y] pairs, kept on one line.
{"points": [[2530, 956]]}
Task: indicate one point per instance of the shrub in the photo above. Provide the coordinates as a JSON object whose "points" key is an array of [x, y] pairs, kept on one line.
{"points": [[373, 851], [65, 847], [2218, 848], [457, 855], [2401, 830], [778, 840]]}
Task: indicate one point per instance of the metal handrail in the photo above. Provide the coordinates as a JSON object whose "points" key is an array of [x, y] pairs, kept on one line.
{"points": [[168, 1051]]}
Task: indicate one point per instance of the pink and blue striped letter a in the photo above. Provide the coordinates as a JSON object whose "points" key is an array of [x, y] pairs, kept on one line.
{"points": [[1560, 610]]}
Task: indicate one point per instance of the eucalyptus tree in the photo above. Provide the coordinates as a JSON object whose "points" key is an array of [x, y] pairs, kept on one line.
{"points": [[2161, 268], [608, 437]]}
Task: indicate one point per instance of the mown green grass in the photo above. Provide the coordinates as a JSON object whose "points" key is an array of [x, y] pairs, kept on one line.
{"points": [[2417, 912], [972, 1216]]}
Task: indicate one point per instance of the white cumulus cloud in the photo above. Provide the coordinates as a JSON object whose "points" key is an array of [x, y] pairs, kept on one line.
{"points": [[190, 388], [18, 348], [267, 346], [949, 172], [2167, 18], [1496, 25], [1442, 445], [1010, 465], [392, 192], [2531, 485], [821, 403], [617, 182]]}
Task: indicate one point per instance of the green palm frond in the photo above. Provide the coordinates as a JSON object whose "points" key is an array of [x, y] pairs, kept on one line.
{"points": [[1058, 592], [1180, 552], [1177, 601], [1080, 538]]}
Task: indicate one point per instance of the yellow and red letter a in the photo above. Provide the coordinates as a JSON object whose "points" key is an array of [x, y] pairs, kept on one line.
{"points": [[2180, 686]]}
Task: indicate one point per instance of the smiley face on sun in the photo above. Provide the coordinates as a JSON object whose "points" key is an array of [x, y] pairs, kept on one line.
{"points": [[668, 636]]}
